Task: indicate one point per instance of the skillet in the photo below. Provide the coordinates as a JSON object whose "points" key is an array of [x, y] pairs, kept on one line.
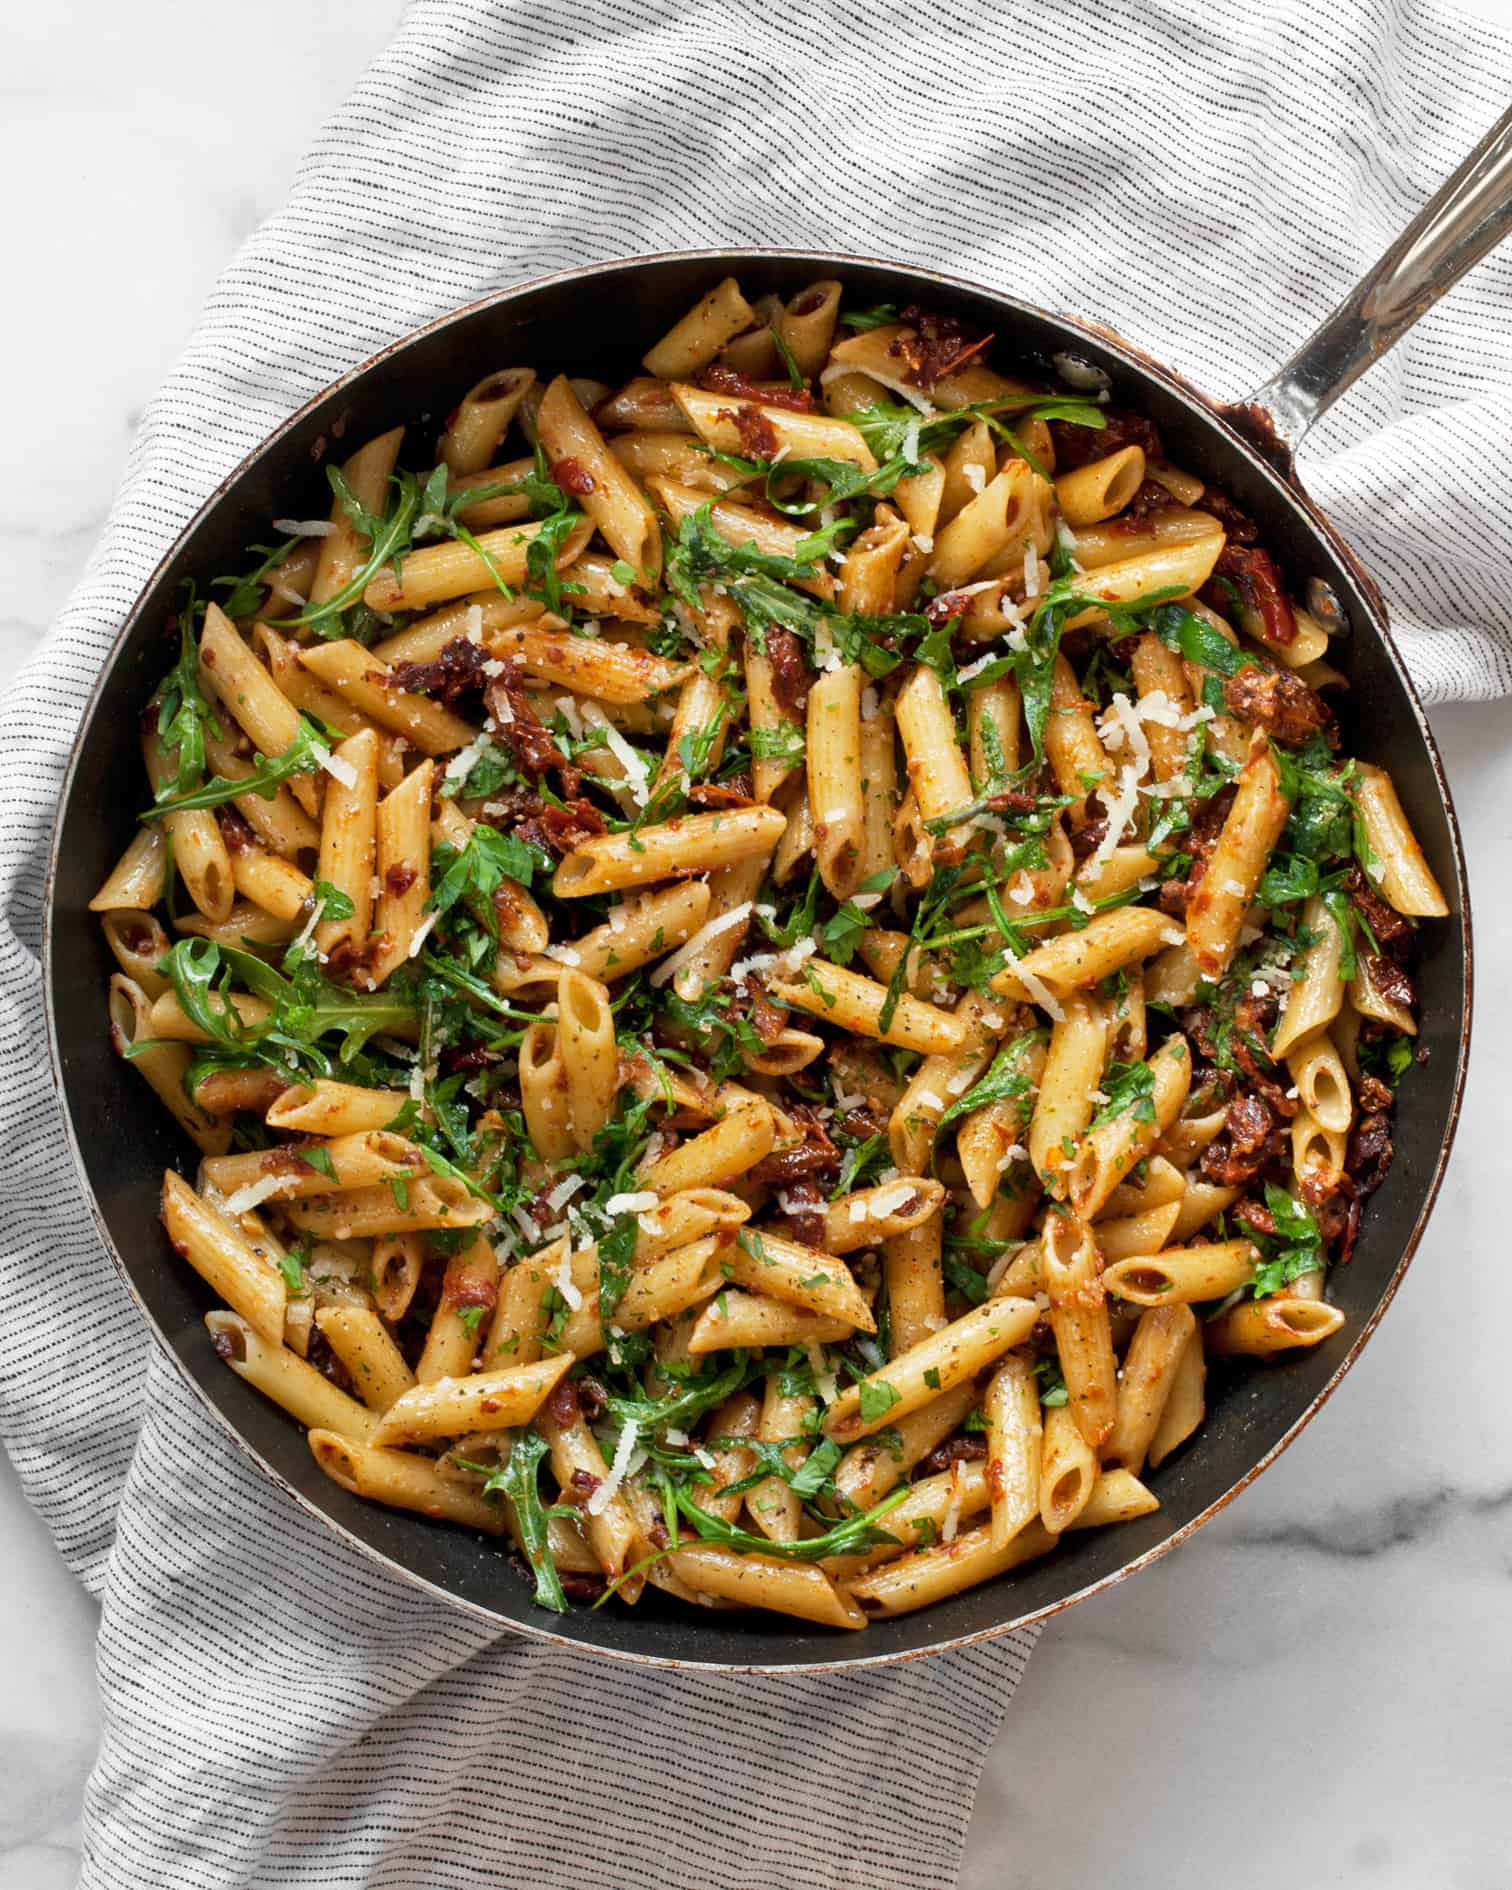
{"points": [[557, 323]]}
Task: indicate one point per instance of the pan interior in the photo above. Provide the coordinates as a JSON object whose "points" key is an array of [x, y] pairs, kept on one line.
{"points": [[122, 1146]]}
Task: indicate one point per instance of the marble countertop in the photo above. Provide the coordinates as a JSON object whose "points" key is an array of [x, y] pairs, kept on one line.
{"points": [[1313, 1690]]}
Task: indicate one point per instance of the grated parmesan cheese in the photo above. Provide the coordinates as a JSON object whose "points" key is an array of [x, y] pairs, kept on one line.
{"points": [[254, 1193], [337, 766], [473, 619], [1031, 572], [641, 1202], [975, 476], [737, 915], [604, 1495], [564, 1283], [637, 770], [422, 932], [305, 527], [1041, 993], [930, 1100], [462, 764]]}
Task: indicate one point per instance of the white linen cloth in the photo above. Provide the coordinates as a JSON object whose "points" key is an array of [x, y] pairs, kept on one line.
{"points": [[1206, 175]]}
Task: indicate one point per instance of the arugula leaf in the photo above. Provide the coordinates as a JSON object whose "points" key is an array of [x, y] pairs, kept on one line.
{"points": [[244, 594], [698, 1394], [817, 1468], [309, 748], [883, 315], [1295, 1248], [1130, 1090], [318, 1158], [184, 714], [784, 743], [478, 870], [1052, 1386], [795, 374], [292, 1266], [845, 1538], [877, 1398], [518, 1482], [389, 538], [333, 902], [1290, 877], [841, 933], [1181, 629], [1003, 1079], [889, 429]]}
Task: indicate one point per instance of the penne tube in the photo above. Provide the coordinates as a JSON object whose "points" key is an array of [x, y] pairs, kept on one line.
{"points": [[1119, 539], [138, 944], [1111, 1149], [1073, 746], [1313, 1000], [1100, 488], [1136, 1234], [771, 1265], [1202, 1203], [1069, 1273], [1318, 1074], [758, 1581], [281, 823], [734, 1144], [1184, 1407], [943, 1360], [609, 496], [777, 734], [436, 1201], [402, 1480], [1118, 1496], [1260, 1327], [933, 1506], [223, 1258], [877, 1464], [1144, 1384], [640, 928], [929, 1575], [1072, 1071], [936, 767], [773, 1504], [543, 1092], [369, 686], [729, 425], [199, 852], [1216, 909], [455, 1407], [476, 430], [423, 640], [436, 573], [373, 1361], [1175, 568], [307, 1395], [997, 517], [1404, 876], [349, 1161], [251, 697], [135, 883], [694, 341], [694, 843], [851, 1002], [585, 1039], [915, 1282], [994, 714], [879, 790], [866, 1216], [869, 576], [1106, 944], [1011, 1406], [807, 325], [396, 1266], [834, 777], [745, 1321], [1068, 1471], [348, 838], [1160, 678], [403, 847], [577, 1462], [659, 1290]]}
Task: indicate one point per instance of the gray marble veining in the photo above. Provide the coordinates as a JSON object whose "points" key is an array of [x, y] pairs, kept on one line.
{"points": [[1313, 1691]]}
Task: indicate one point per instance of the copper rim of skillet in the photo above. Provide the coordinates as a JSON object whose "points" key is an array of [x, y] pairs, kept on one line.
{"points": [[120, 1148]]}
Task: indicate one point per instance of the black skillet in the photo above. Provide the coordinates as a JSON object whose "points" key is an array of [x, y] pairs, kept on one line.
{"points": [[121, 1142]]}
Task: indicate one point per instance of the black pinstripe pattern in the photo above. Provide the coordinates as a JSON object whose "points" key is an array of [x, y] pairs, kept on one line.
{"points": [[1207, 175]]}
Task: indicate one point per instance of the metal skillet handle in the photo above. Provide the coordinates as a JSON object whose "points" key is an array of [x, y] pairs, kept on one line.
{"points": [[1467, 217]]}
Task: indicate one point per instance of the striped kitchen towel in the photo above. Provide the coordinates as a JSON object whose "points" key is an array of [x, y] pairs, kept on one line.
{"points": [[1207, 176]]}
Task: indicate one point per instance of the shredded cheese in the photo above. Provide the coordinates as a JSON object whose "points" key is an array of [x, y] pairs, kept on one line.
{"points": [[564, 1283], [337, 766], [305, 527], [254, 1193], [1041, 993], [639, 1203], [737, 915], [604, 1495]]}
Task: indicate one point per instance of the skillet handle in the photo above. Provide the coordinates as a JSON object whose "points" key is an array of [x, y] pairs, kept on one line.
{"points": [[1468, 216]]}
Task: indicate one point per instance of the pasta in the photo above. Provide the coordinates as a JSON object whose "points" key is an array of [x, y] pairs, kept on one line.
{"points": [[750, 927]]}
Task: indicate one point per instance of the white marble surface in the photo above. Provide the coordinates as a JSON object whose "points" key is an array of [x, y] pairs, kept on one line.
{"points": [[1314, 1691]]}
